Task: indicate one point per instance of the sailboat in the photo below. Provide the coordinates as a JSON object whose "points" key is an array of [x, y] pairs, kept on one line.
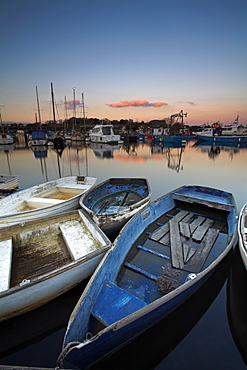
{"points": [[57, 139], [38, 137], [5, 138]]}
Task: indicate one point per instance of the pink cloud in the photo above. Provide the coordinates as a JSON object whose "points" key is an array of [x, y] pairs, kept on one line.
{"points": [[136, 103], [71, 103]]}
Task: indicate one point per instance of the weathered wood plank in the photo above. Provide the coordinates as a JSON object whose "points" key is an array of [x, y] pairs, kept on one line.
{"points": [[160, 232], [188, 252], [184, 229], [176, 245], [197, 222], [202, 229], [179, 216], [199, 258], [165, 240]]}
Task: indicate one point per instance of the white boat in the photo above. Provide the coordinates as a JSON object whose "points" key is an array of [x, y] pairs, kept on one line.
{"points": [[104, 134], [242, 234], [42, 259], [43, 200], [5, 138], [8, 182]]}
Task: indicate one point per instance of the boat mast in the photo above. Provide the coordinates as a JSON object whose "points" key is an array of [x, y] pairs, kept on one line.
{"points": [[74, 109], [53, 107], [37, 97]]}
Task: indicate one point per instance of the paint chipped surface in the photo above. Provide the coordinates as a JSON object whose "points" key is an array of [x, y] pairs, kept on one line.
{"points": [[78, 239]]}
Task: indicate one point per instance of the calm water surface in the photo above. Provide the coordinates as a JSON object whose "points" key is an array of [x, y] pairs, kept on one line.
{"points": [[205, 333]]}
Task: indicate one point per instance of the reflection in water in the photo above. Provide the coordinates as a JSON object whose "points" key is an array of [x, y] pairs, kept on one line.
{"points": [[103, 151], [172, 151], [7, 149], [214, 150], [237, 304]]}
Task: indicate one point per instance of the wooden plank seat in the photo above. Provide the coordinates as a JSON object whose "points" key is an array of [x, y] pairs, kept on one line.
{"points": [[114, 303], [36, 202], [77, 241], [5, 263], [74, 186]]}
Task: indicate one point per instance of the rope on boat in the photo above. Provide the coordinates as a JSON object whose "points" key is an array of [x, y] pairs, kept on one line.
{"points": [[63, 354]]}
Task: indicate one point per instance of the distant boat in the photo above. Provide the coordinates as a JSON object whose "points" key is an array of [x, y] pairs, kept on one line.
{"points": [[104, 134], [43, 259], [160, 258], [222, 139], [38, 138], [5, 138], [242, 234], [8, 184], [114, 201], [9, 181], [43, 200]]}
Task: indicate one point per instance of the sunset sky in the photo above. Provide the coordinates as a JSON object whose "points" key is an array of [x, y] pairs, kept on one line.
{"points": [[132, 59]]}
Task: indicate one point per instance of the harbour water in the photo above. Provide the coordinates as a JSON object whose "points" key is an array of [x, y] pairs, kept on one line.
{"points": [[204, 333]]}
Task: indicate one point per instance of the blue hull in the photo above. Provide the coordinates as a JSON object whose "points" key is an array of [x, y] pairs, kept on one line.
{"points": [[118, 304], [173, 139], [222, 139]]}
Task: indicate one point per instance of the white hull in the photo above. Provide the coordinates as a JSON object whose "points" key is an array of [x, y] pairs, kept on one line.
{"points": [[242, 234], [104, 139], [38, 289], [9, 182], [6, 139], [43, 200], [104, 134]]}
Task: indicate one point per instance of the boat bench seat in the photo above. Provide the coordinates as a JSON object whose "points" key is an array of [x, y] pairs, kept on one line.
{"points": [[76, 239], [5, 263], [114, 304], [74, 186], [36, 202]]}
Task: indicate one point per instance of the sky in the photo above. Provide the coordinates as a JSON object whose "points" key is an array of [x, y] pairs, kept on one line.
{"points": [[131, 59]]}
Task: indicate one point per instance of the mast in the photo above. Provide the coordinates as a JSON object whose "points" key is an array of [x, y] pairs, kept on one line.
{"points": [[66, 113], [37, 97], [74, 109], [53, 106], [84, 118]]}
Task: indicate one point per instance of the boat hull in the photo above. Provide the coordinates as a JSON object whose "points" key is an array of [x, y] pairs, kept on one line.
{"points": [[120, 331], [40, 288], [222, 139], [112, 219], [242, 234], [9, 182], [35, 202]]}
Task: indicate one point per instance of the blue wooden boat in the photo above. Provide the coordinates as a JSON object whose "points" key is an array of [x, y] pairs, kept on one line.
{"points": [[160, 258], [220, 139], [114, 201]]}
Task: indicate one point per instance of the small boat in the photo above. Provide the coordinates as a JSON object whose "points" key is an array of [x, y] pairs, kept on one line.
{"points": [[104, 134], [43, 200], [221, 139], [38, 138], [43, 259], [8, 182], [5, 137], [113, 202], [160, 258], [242, 234]]}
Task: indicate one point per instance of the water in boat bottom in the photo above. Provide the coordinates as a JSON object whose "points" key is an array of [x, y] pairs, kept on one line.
{"points": [[209, 330]]}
